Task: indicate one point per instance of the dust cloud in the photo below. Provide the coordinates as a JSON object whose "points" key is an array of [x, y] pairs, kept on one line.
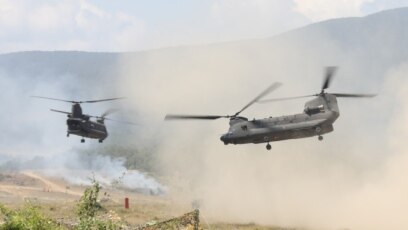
{"points": [[354, 179]]}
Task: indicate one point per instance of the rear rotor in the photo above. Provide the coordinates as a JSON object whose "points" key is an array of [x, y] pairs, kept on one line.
{"points": [[330, 72], [104, 117]]}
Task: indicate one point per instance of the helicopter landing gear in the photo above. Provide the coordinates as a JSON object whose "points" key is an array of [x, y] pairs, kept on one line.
{"points": [[318, 130], [100, 140], [67, 134], [268, 146], [82, 140]]}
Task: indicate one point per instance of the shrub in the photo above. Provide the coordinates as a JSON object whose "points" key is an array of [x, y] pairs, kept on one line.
{"points": [[88, 204], [29, 217], [88, 207]]}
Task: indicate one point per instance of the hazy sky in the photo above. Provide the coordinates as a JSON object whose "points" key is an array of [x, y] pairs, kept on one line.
{"points": [[125, 25]]}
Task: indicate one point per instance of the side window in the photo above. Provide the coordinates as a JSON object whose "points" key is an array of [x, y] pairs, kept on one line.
{"points": [[244, 127]]}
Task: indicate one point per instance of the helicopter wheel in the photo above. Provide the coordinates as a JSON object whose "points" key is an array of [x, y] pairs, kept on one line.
{"points": [[320, 138], [268, 146], [82, 140], [100, 140], [67, 134]]}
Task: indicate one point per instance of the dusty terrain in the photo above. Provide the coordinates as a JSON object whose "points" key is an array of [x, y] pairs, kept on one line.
{"points": [[58, 199]]}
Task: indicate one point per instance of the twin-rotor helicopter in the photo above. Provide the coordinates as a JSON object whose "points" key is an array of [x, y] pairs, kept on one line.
{"points": [[80, 124], [317, 118]]}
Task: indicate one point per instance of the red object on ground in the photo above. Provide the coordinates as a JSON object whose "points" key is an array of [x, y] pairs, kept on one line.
{"points": [[127, 203]]}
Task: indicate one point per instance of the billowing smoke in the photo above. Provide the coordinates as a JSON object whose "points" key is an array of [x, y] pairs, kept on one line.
{"points": [[353, 179], [81, 169]]}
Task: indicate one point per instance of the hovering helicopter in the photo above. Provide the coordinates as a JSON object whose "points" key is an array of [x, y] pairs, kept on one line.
{"points": [[317, 118], [80, 124]]}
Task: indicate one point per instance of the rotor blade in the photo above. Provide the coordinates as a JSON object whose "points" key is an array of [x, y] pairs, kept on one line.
{"points": [[191, 117], [263, 94], [59, 111], [79, 102], [353, 95], [109, 111], [55, 99], [109, 99], [283, 99], [330, 71], [110, 119], [125, 122]]}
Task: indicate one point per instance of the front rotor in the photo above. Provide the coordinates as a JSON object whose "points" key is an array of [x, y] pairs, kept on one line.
{"points": [[268, 90]]}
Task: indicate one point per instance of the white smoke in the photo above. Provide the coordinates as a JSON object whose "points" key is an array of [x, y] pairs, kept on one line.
{"points": [[80, 169]]}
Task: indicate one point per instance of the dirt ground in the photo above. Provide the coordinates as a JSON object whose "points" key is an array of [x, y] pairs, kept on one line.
{"points": [[58, 199]]}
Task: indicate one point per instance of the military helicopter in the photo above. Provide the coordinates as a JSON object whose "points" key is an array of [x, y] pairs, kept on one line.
{"points": [[317, 118], [80, 124]]}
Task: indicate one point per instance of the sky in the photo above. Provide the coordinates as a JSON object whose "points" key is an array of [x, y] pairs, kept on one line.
{"points": [[131, 25]]}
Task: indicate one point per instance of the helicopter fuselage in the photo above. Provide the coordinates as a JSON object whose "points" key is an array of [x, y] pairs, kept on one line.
{"points": [[87, 128], [317, 119]]}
